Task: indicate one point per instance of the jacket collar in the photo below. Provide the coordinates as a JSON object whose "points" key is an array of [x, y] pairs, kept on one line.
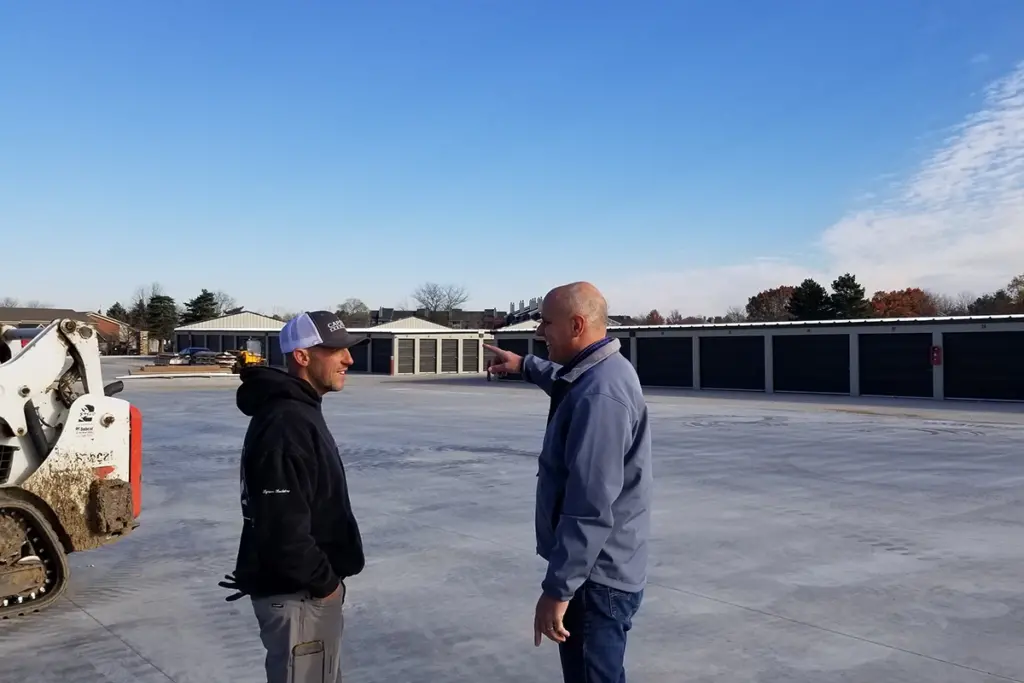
{"points": [[588, 358]]}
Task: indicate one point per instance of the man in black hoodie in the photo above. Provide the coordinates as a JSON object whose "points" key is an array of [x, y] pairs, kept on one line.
{"points": [[299, 538]]}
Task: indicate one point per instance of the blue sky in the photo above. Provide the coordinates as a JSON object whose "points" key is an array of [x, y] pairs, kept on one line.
{"points": [[678, 154]]}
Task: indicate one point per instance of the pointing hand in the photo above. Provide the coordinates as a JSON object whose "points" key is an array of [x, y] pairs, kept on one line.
{"points": [[504, 362]]}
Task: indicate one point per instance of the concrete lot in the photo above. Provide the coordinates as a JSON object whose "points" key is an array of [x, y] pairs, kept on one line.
{"points": [[796, 542]]}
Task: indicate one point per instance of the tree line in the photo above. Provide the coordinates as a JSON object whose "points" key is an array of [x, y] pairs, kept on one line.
{"points": [[847, 300], [152, 309]]}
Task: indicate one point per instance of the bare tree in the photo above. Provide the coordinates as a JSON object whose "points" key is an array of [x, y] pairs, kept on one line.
{"points": [[8, 302], [951, 305], [352, 306], [224, 302], [735, 314], [435, 297]]}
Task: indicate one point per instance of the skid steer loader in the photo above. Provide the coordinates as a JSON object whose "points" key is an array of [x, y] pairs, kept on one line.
{"points": [[70, 460]]}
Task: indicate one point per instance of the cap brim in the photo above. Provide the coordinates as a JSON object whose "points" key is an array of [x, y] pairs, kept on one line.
{"points": [[345, 342]]}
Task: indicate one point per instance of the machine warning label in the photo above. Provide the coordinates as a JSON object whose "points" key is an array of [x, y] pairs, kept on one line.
{"points": [[85, 418]]}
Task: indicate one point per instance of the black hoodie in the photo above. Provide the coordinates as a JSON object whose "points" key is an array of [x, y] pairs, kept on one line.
{"points": [[298, 533]]}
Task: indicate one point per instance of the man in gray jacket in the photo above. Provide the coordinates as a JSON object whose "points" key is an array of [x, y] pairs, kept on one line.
{"points": [[594, 485]]}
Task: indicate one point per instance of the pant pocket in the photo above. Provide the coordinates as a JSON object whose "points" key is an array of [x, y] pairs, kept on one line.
{"points": [[308, 662]]}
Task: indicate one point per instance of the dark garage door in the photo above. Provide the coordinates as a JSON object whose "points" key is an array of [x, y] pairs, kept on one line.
{"points": [[380, 355], [275, 357], [813, 363], [181, 342], [228, 342], [518, 346], [985, 365], [665, 361], [360, 357], [428, 356], [470, 355], [449, 355], [895, 364], [540, 348], [406, 356], [731, 363]]}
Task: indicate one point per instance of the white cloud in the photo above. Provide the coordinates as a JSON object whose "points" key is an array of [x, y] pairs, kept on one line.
{"points": [[956, 224]]}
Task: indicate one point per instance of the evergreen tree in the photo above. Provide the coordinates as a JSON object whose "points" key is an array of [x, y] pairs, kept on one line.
{"points": [[161, 316], [117, 312], [810, 301], [848, 301], [203, 307]]}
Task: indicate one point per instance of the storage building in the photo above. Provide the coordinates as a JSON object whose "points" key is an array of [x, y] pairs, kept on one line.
{"points": [[234, 332], [968, 357], [412, 346]]}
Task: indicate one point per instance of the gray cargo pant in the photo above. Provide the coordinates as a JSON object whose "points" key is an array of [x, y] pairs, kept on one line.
{"points": [[302, 636]]}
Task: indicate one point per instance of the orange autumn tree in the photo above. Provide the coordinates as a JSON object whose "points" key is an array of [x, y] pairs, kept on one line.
{"points": [[903, 303]]}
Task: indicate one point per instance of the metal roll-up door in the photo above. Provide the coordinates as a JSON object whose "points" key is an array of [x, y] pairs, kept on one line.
{"points": [[428, 356], [406, 356], [199, 340], [380, 355], [360, 357], [665, 361], [274, 355], [896, 364], [540, 348], [488, 354], [731, 362], [811, 363], [181, 342], [449, 355], [983, 365], [213, 342], [228, 342], [470, 355]]}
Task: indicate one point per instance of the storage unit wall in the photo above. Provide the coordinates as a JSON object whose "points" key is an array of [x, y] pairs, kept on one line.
{"points": [[969, 357], [423, 352], [234, 332]]}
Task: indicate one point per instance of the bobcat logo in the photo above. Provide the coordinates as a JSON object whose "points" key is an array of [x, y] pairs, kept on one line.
{"points": [[86, 414]]}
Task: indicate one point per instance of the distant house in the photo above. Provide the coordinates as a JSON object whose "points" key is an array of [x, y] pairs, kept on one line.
{"points": [[116, 336]]}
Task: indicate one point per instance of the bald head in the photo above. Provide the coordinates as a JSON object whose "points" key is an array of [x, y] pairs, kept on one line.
{"points": [[574, 316], [582, 299]]}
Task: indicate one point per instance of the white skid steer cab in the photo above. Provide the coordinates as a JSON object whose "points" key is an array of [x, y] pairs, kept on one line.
{"points": [[70, 460]]}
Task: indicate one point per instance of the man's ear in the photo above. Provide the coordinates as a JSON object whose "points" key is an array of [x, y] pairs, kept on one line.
{"points": [[301, 357]]}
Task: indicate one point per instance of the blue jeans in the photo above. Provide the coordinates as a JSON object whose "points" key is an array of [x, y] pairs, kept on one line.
{"points": [[597, 619]]}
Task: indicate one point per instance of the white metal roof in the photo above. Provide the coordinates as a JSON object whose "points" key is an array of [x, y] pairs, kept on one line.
{"points": [[526, 325], [410, 323], [246, 321], [521, 327]]}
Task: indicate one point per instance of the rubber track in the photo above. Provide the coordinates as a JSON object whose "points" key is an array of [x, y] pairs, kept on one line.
{"points": [[54, 550]]}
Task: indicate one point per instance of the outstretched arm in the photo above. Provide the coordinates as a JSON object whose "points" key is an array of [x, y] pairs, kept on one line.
{"points": [[540, 372]]}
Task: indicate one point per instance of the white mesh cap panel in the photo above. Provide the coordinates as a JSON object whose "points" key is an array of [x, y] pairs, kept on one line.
{"points": [[299, 333]]}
